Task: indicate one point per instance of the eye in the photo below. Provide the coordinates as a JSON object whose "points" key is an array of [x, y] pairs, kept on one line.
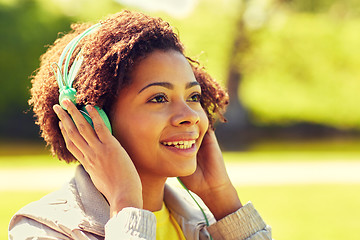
{"points": [[159, 98], [195, 97]]}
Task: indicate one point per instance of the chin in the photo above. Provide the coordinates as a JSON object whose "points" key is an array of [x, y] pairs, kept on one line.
{"points": [[185, 171]]}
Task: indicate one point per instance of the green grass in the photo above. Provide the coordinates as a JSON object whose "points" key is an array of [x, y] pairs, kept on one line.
{"points": [[43, 160], [15, 154], [11, 201], [33, 161], [310, 212], [326, 211], [290, 156]]}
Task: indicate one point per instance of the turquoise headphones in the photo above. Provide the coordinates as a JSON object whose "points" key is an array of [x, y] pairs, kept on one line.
{"points": [[66, 77]]}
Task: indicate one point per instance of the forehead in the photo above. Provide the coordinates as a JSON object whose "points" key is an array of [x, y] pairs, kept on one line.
{"points": [[162, 66]]}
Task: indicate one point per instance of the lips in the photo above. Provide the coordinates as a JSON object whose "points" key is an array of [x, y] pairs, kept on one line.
{"points": [[183, 144]]}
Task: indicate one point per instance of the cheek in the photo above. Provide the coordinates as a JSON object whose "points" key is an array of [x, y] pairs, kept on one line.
{"points": [[204, 121], [134, 130], [139, 136]]}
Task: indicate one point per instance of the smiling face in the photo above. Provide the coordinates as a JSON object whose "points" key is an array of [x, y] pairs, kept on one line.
{"points": [[158, 118]]}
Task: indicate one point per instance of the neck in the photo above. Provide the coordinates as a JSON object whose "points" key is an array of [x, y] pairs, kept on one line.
{"points": [[153, 192]]}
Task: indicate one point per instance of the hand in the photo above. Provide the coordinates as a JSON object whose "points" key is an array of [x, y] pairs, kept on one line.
{"points": [[210, 180], [102, 156]]}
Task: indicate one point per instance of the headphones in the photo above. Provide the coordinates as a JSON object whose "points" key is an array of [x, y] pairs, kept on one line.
{"points": [[66, 77]]}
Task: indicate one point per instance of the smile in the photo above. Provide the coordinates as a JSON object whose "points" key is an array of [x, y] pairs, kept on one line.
{"points": [[180, 144]]}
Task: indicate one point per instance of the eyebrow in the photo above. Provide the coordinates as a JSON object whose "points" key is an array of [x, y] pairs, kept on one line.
{"points": [[192, 84], [169, 85]]}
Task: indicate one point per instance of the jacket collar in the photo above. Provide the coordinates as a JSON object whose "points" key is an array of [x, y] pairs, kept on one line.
{"points": [[93, 204], [79, 205], [176, 199], [69, 209]]}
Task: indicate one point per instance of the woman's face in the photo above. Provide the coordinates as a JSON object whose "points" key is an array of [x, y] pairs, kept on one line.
{"points": [[158, 118]]}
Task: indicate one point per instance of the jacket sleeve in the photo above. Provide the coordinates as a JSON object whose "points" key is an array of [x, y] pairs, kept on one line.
{"points": [[131, 223], [128, 224], [26, 228], [244, 224]]}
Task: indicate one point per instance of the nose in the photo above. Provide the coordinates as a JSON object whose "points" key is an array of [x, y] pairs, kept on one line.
{"points": [[184, 115]]}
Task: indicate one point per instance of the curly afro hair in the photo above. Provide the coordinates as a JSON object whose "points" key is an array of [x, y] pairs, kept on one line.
{"points": [[109, 56]]}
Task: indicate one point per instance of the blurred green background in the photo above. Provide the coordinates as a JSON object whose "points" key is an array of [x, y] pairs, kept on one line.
{"points": [[292, 72], [289, 64]]}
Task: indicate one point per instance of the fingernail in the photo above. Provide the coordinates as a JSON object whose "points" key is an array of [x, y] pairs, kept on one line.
{"points": [[56, 109], [65, 102], [60, 125], [89, 108]]}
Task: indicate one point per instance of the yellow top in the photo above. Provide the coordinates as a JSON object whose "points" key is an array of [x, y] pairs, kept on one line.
{"points": [[166, 225]]}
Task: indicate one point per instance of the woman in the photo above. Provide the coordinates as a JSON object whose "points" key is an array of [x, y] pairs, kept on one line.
{"points": [[162, 108]]}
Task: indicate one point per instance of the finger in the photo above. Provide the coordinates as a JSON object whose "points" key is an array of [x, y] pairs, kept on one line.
{"points": [[84, 128], [100, 128], [70, 129], [70, 145]]}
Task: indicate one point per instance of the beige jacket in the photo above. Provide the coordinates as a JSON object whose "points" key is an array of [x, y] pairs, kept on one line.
{"points": [[79, 211]]}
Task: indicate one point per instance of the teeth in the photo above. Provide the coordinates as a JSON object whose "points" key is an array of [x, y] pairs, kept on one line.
{"points": [[180, 144]]}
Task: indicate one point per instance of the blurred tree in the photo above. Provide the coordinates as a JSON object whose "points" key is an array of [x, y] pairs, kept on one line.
{"points": [[252, 16], [28, 27], [25, 29], [268, 51], [304, 66], [291, 63], [348, 7]]}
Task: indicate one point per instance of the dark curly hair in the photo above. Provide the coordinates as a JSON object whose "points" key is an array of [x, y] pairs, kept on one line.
{"points": [[109, 57]]}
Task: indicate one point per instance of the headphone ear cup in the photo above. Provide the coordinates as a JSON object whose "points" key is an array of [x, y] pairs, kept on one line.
{"points": [[102, 114]]}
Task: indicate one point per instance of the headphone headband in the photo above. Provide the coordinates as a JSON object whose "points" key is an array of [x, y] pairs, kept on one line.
{"points": [[65, 77]]}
